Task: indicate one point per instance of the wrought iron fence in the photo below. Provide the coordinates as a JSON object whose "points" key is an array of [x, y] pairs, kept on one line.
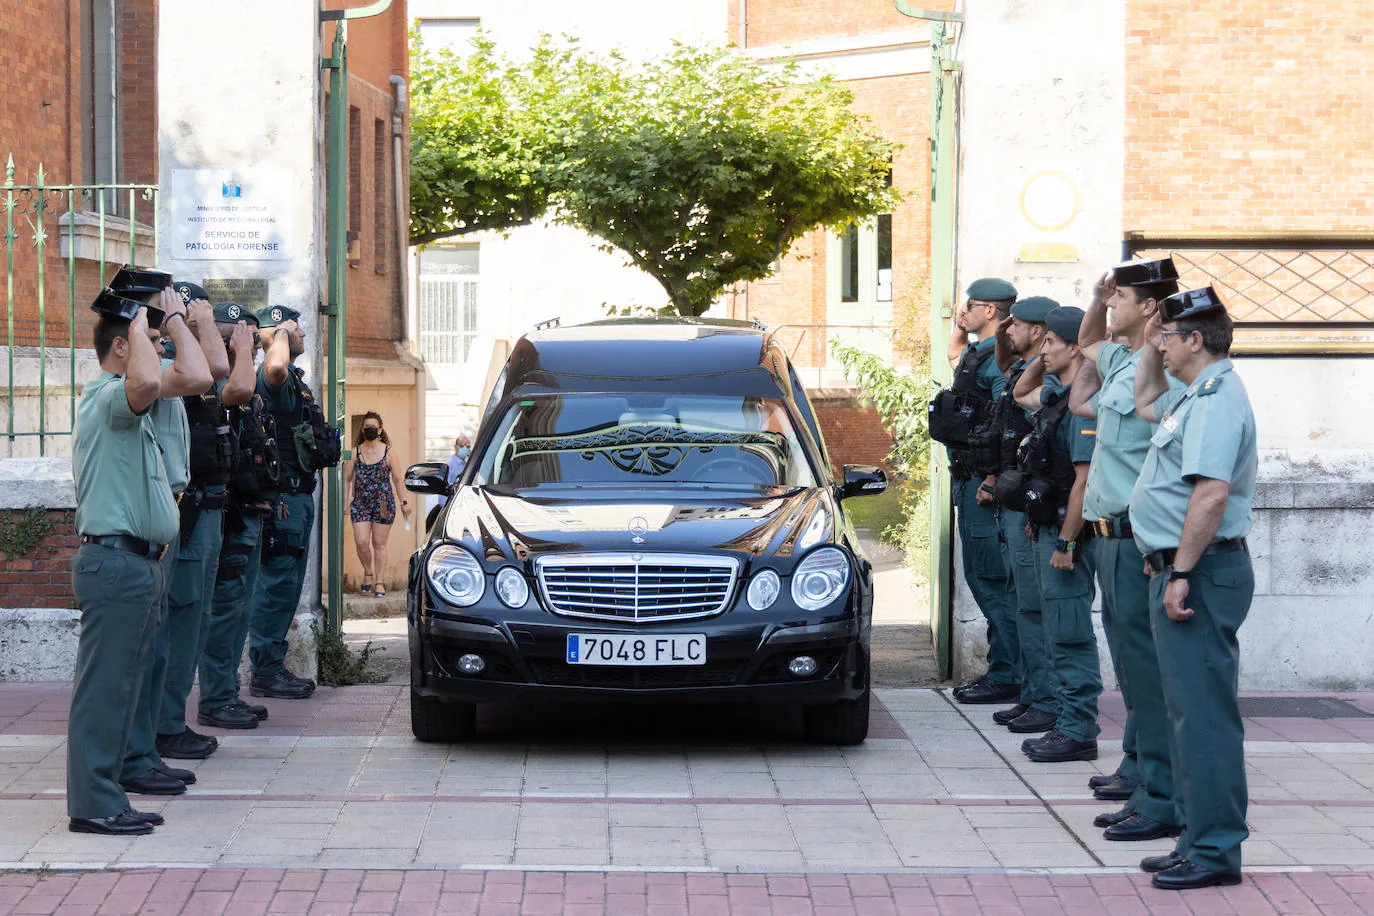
{"points": [[91, 232]]}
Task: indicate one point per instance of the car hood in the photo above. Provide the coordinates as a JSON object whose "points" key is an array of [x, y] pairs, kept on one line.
{"points": [[502, 524]]}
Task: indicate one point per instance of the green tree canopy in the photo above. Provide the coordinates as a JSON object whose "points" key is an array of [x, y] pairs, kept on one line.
{"points": [[701, 165]]}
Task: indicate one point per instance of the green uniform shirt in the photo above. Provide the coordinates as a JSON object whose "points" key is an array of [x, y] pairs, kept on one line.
{"points": [[1205, 430], [174, 435], [121, 479], [1076, 435]]}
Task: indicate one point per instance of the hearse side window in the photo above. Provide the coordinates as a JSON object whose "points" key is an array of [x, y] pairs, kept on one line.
{"points": [[807, 414], [618, 440]]}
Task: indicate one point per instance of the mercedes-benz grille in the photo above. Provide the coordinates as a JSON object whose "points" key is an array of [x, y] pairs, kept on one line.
{"points": [[636, 587]]}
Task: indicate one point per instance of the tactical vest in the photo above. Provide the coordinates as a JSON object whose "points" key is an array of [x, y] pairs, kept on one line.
{"points": [[961, 408], [312, 444], [211, 441], [1046, 465], [993, 446], [256, 472]]}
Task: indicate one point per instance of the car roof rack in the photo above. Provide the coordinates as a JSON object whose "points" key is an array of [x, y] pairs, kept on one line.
{"points": [[548, 323]]}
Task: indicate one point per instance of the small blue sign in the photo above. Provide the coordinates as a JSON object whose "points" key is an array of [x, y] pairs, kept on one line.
{"points": [[230, 188], [572, 648]]}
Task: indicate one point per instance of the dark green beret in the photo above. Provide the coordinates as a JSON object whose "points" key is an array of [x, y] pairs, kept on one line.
{"points": [[232, 312], [188, 291], [1034, 308], [1065, 322], [273, 315], [991, 289]]}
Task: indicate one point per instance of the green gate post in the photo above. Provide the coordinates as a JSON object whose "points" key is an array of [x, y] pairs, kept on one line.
{"points": [[942, 183], [336, 307]]}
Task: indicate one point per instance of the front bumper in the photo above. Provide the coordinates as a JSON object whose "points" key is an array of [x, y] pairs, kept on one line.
{"points": [[745, 661]]}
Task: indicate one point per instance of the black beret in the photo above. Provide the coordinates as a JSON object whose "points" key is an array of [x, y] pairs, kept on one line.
{"points": [[1065, 322], [1034, 308], [991, 289], [1190, 304]]}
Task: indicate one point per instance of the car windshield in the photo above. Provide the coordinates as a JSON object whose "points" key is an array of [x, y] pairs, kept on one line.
{"points": [[612, 439]]}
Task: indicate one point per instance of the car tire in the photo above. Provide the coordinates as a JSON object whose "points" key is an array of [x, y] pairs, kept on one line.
{"points": [[434, 720], [843, 722]]}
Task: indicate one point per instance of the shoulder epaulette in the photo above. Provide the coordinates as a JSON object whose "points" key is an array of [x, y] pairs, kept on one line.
{"points": [[1211, 386]]}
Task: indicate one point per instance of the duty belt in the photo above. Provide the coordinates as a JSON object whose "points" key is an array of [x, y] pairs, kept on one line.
{"points": [[1161, 560], [125, 542], [1115, 527]]}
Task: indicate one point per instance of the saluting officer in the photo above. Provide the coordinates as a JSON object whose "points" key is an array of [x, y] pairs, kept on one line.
{"points": [[1144, 780], [202, 533], [1055, 462], [126, 516], [185, 372], [1019, 338], [1190, 513], [979, 382], [251, 497], [286, 535]]}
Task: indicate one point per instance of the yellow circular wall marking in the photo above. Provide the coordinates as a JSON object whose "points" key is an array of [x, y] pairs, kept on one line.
{"points": [[1050, 200]]}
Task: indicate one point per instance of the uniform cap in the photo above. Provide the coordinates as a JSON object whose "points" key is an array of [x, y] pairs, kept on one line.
{"points": [[188, 291], [1034, 308], [1065, 322], [1190, 304], [1145, 273], [272, 315], [991, 289], [117, 305], [141, 284], [232, 313]]}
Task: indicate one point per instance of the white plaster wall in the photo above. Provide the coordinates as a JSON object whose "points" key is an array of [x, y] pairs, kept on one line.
{"points": [[234, 94]]}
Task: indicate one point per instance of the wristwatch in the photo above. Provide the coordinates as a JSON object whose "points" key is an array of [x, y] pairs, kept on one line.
{"points": [[1064, 546], [1177, 574]]}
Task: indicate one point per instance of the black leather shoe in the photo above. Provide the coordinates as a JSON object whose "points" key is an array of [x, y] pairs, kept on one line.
{"points": [[1033, 720], [228, 717], [153, 783], [1095, 781], [979, 681], [1185, 876], [1138, 827], [1003, 716], [1057, 747], [116, 825], [302, 681], [1118, 790], [1154, 864], [1112, 817], [990, 692], [186, 777], [151, 818], [258, 712], [187, 745], [280, 686]]}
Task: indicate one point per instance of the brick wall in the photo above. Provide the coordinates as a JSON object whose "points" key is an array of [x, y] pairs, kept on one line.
{"points": [[1249, 115], [43, 576], [853, 431], [776, 21], [138, 90]]}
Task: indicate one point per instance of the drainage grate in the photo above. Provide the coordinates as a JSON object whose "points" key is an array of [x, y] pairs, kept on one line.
{"points": [[1300, 708]]}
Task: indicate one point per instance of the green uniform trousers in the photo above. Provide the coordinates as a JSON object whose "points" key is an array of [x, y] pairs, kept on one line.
{"points": [[1038, 687], [1199, 664], [141, 756], [120, 597], [227, 629], [280, 583], [987, 578], [1066, 602], [1126, 598], [188, 606]]}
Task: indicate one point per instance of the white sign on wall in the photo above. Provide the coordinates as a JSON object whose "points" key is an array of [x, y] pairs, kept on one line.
{"points": [[230, 215]]}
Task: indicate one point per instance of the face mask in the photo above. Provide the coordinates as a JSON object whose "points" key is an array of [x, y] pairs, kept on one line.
{"points": [[370, 432], [462, 451]]}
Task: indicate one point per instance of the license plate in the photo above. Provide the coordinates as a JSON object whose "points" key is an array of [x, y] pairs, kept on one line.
{"points": [[611, 649]]}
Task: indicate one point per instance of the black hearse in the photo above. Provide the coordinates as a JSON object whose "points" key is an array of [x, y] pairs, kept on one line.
{"points": [[648, 513]]}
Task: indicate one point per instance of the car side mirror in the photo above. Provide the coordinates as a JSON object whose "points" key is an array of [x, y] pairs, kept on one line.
{"points": [[427, 477], [862, 480]]}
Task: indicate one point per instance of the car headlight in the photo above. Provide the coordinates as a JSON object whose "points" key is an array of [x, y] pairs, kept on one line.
{"points": [[763, 590], [816, 530], [456, 575], [820, 579], [511, 587]]}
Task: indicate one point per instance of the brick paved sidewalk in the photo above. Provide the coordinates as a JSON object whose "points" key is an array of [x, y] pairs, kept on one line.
{"points": [[495, 893]]}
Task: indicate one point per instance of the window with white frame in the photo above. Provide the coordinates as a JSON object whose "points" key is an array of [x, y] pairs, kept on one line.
{"points": [[448, 292]]}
